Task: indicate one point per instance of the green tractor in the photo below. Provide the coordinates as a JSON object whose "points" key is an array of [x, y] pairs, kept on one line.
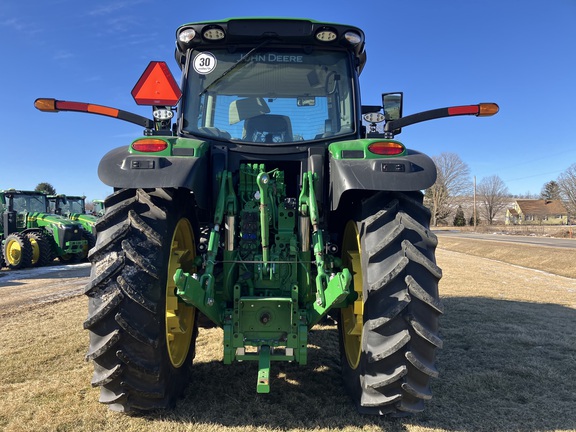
{"points": [[31, 236], [74, 208], [98, 207], [265, 206]]}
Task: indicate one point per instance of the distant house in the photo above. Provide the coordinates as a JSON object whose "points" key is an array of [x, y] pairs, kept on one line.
{"points": [[537, 212]]}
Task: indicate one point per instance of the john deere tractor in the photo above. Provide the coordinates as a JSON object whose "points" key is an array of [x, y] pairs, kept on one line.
{"points": [[74, 208], [98, 207], [267, 204], [32, 236]]}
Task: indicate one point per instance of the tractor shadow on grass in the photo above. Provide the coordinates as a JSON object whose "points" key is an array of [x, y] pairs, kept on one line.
{"points": [[505, 365], [301, 397]]}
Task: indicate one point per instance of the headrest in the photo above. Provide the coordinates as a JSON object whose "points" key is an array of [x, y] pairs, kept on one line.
{"points": [[243, 109]]}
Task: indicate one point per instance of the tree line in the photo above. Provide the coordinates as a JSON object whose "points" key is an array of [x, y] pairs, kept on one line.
{"points": [[492, 195]]}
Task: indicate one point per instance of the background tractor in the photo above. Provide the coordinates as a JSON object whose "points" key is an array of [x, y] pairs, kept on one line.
{"points": [[98, 207], [31, 235], [74, 208], [264, 207]]}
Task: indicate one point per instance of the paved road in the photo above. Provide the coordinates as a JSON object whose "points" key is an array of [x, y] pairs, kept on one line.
{"points": [[27, 287], [537, 241]]}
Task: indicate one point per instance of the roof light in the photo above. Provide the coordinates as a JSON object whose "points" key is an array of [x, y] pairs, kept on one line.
{"points": [[374, 117], [213, 33], [386, 148], [326, 34], [186, 35], [149, 145], [353, 37], [156, 86], [162, 113]]}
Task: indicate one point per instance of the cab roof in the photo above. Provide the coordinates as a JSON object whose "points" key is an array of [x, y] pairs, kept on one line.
{"points": [[251, 31]]}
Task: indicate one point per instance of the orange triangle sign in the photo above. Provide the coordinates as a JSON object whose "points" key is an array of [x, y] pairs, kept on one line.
{"points": [[156, 86]]}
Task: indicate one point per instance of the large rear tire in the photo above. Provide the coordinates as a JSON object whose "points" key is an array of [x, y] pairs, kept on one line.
{"points": [[17, 251], [90, 243], [389, 335], [142, 337], [42, 253]]}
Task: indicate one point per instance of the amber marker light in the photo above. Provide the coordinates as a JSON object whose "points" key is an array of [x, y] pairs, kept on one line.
{"points": [[45, 105], [149, 145], [386, 148], [488, 109]]}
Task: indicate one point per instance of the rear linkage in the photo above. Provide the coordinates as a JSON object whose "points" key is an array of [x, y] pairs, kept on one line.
{"points": [[265, 323]]}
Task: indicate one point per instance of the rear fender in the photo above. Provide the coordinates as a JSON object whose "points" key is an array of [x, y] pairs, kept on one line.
{"points": [[411, 172], [121, 169]]}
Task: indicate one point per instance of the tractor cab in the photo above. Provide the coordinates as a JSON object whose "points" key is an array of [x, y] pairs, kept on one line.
{"points": [[19, 204], [67, 204], [247, 85]]}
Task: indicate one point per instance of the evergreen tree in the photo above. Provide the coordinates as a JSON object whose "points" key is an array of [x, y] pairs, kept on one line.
{"points": [[550, 191], [46, 188], [460, 219]]}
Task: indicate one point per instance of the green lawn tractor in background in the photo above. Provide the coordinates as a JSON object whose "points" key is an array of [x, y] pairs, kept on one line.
{"points": [[265, 206], [74, 208], [31, 236]]}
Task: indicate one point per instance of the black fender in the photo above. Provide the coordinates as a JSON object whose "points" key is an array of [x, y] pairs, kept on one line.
{"points": [[412, 172], [120, 169]]}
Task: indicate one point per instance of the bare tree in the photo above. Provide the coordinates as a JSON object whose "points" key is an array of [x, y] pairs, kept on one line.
{"points": [[453, 179], [567, 185], [493, 197]]}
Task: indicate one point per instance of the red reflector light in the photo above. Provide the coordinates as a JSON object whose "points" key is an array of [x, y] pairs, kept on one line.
{"points": [[149, 145], [386, 148], [463, 110]]}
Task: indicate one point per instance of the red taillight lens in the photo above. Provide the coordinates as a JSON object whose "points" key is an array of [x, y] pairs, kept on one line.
{"points": [[149, 145], [386, 148]]}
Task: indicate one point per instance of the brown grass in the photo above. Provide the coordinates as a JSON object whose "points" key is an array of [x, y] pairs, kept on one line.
{"points": [[553, 260], [508, 363]]}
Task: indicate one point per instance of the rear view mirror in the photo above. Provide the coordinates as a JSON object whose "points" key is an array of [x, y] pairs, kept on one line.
{"points": [[392, 104], [306, 101]]}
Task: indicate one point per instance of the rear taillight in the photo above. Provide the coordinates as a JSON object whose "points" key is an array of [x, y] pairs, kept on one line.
{"points": [[386, 148], [149, 145]]}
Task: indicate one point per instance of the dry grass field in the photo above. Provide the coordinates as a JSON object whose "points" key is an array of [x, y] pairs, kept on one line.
{"points": [[508, 364]]}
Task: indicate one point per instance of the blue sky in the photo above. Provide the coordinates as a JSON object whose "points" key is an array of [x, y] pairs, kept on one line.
{"points": [[519, 54]]}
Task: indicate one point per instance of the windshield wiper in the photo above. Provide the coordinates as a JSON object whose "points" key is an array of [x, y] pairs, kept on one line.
{"points": [[240, 63]]}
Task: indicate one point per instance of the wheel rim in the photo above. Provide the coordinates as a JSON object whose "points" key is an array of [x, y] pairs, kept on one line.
{"points": [[179, 316], [13, 252], [353, 315], [35, 249]]}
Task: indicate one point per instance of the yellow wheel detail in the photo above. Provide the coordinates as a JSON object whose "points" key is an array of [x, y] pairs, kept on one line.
{"points": [[179, 316], [352, 316], [35, 250], [13, 252]]}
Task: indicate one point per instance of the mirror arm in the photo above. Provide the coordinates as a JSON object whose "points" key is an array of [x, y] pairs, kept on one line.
{"points": [[431, 115]]}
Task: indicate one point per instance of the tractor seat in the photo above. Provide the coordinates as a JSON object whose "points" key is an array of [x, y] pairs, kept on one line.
{"points": [[268, 128]]}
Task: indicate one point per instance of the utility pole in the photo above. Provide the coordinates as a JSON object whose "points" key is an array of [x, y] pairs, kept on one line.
{"points": [[474, 203]]}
